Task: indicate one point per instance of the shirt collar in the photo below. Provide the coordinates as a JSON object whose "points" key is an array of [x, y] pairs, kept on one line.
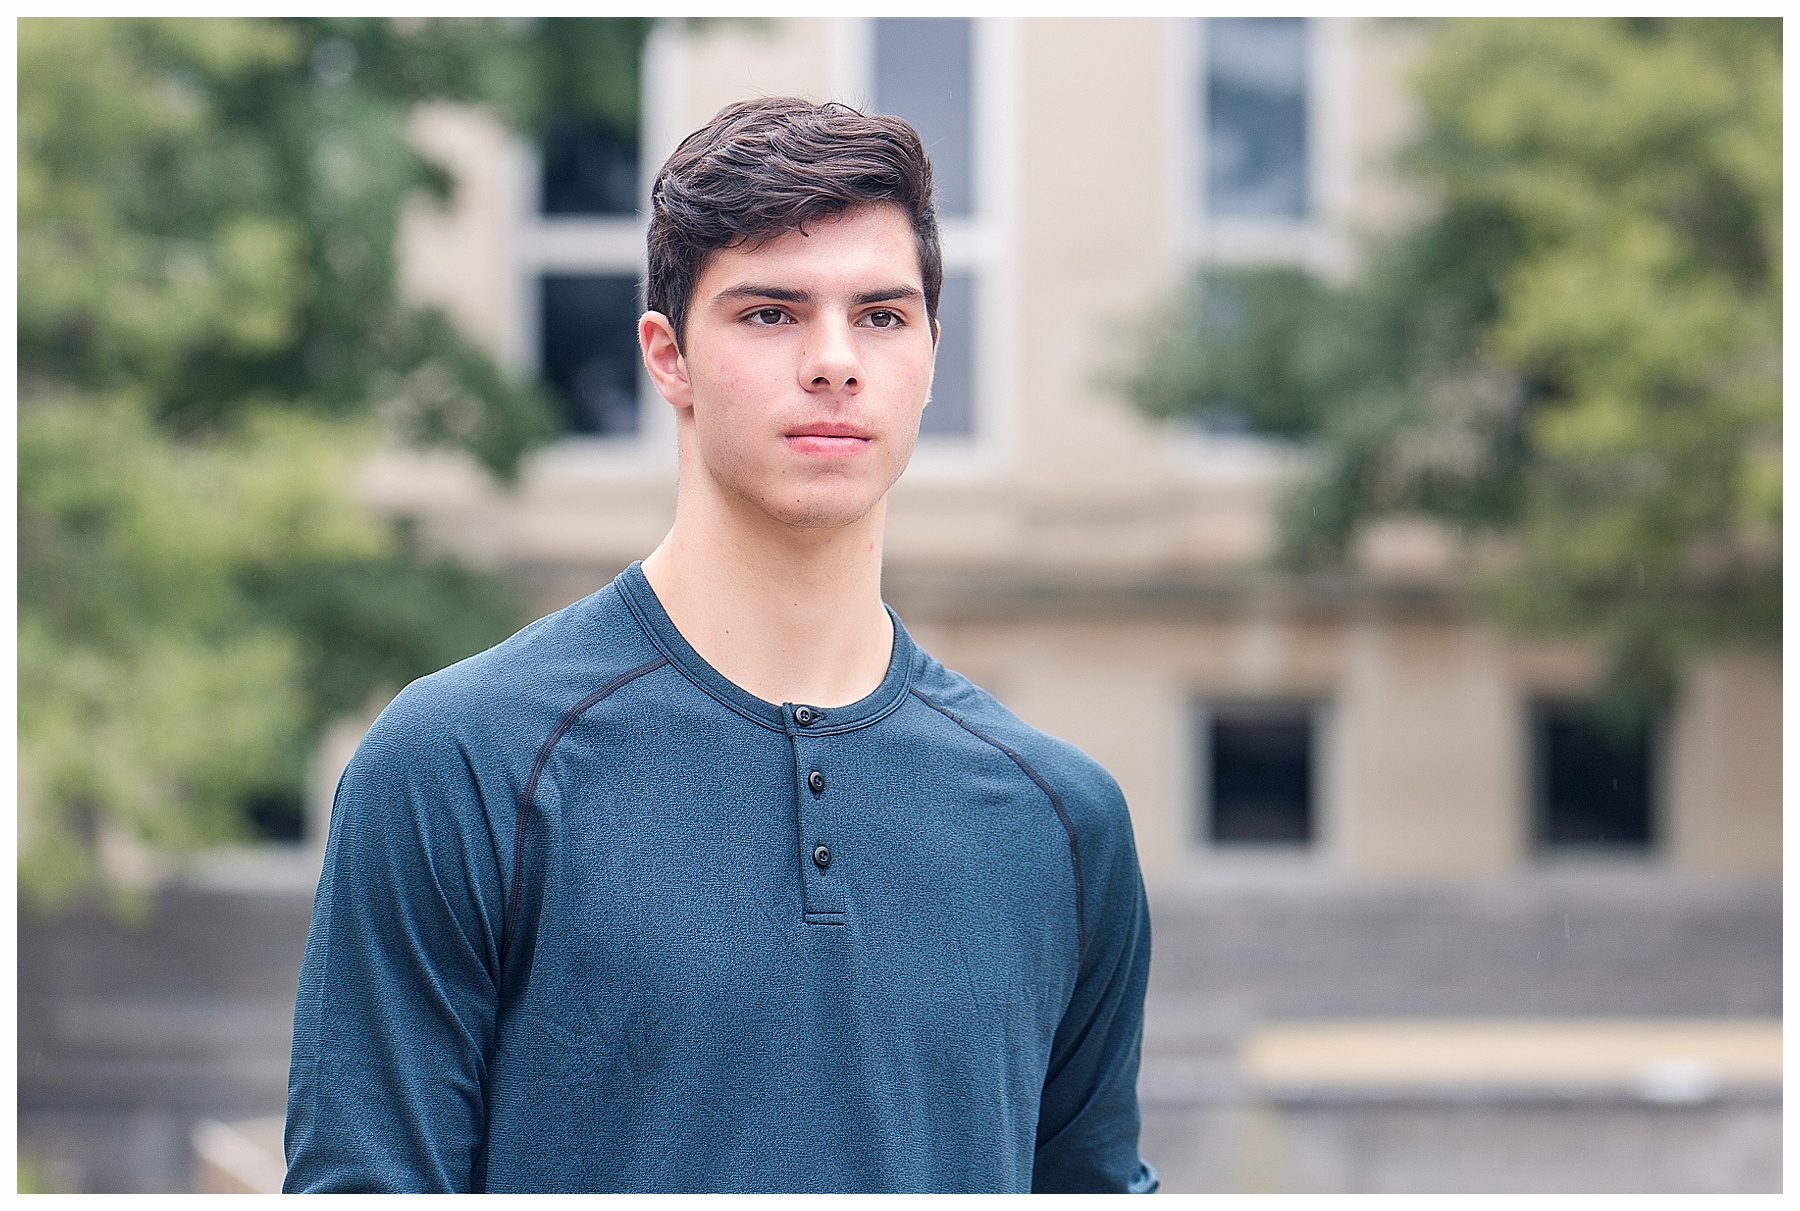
{"points": [[641, 599]]}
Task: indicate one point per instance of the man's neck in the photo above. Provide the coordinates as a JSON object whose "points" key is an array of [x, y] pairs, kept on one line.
{"points": [[791, 615]]}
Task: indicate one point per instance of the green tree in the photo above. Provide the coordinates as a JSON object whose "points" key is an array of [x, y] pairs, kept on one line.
{"points": [[1576, 356], [210, 334]]}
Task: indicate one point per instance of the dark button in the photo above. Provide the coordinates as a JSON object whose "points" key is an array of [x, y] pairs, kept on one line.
{"points": [[816, 780], [821, 857], [804, 715]]}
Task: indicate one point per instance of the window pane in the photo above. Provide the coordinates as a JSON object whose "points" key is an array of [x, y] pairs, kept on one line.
{"points": [[1593, 787], [589, 169], [1260, 776], [1255, 162], [951, 412], [924, 72], [589, 350]]}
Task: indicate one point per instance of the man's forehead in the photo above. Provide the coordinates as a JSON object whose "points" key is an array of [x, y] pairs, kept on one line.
{"points": [[872, 246]]}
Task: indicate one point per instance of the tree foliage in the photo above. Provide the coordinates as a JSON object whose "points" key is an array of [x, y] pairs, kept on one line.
{"points": [[1577, 355], [210, 334]]}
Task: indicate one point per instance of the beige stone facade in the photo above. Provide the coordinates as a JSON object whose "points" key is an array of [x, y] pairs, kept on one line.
{"points": [[1099, 572]]}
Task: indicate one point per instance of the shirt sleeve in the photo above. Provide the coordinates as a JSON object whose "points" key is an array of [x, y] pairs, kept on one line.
{"points": [[394, 1023], [1088, 1119]]}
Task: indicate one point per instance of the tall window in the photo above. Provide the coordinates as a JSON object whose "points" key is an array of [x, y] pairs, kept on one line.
{"points": [[1257, 784], [589, 169], [1592, 784], [924, 70], [587, 247], [1255, 101], [925, 73], [951, 411], [589, 350]]}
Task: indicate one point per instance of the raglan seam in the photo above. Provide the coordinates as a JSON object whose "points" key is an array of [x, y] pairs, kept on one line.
{"points": [[528, 798], [1062, 814]]}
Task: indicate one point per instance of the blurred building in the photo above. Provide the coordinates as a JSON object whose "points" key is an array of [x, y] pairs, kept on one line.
{"points": [[1359, 807], [1096, 570]]}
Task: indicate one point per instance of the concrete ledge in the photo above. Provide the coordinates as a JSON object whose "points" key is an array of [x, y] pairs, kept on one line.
{"points": [[1670, 1061], [1001, 591], [238, 1158], [987, 591]]}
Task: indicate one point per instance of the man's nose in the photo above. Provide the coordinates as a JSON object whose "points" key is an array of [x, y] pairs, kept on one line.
{"points": [[830, 362]]}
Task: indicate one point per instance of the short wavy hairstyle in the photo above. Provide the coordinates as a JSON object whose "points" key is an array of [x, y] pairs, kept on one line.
{"points": [[765, 167]]}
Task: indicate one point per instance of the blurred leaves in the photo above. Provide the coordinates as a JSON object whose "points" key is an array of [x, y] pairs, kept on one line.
{"points": [[210, 337], [209, 209], [153, 694], [1577, 356]]}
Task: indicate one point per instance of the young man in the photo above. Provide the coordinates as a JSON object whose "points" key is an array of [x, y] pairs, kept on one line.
{"points": [[714, 880]]}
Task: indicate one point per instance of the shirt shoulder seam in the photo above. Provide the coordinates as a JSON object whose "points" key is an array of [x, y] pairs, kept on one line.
{"points": [[529, 796], [1062, 813]]}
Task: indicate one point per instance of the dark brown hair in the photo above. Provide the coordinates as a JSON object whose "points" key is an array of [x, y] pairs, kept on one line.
{"points": [[766, 167]]}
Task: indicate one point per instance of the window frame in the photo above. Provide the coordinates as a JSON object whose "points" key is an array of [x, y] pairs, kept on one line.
{"points": [[607, 245], [1318, 241], [540, 283], [980, 245], [1311, 857]]}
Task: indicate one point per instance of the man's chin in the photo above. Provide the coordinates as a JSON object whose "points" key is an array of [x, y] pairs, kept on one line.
{"points": [[824, 508], [819, 515]]}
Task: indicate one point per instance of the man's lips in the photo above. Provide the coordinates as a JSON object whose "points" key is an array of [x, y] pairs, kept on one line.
{"points": [[828, 439]]}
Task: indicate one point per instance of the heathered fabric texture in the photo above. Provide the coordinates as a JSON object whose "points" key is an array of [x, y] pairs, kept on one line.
{"points": [[571, 935]]}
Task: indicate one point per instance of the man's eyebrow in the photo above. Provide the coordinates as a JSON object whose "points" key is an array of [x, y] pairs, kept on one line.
{"points": [[890, 294], [749, 290], [781, 294]]}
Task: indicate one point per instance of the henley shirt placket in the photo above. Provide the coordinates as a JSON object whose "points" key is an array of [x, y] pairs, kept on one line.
{"points": [[822, 897]]}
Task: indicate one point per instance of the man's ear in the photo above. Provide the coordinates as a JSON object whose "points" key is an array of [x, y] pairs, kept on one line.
{"points": [[663, 360]]}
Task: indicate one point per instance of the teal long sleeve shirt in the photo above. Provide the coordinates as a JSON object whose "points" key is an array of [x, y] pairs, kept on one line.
{"points": [[593, 918]]}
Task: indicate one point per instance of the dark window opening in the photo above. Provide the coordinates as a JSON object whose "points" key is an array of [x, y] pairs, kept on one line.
{"points": [[951, 412], [925, 72], [590, 169], [278, 815], [1258, 785], [1256, 135], [1592, 784], [589, 350]]}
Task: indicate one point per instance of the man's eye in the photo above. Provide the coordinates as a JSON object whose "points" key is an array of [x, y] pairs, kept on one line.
{"points": [[885, 319], [768, 316]]}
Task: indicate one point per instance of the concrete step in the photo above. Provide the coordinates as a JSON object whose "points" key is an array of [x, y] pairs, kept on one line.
{"points": [[1357, 952], [128, 1034]]}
